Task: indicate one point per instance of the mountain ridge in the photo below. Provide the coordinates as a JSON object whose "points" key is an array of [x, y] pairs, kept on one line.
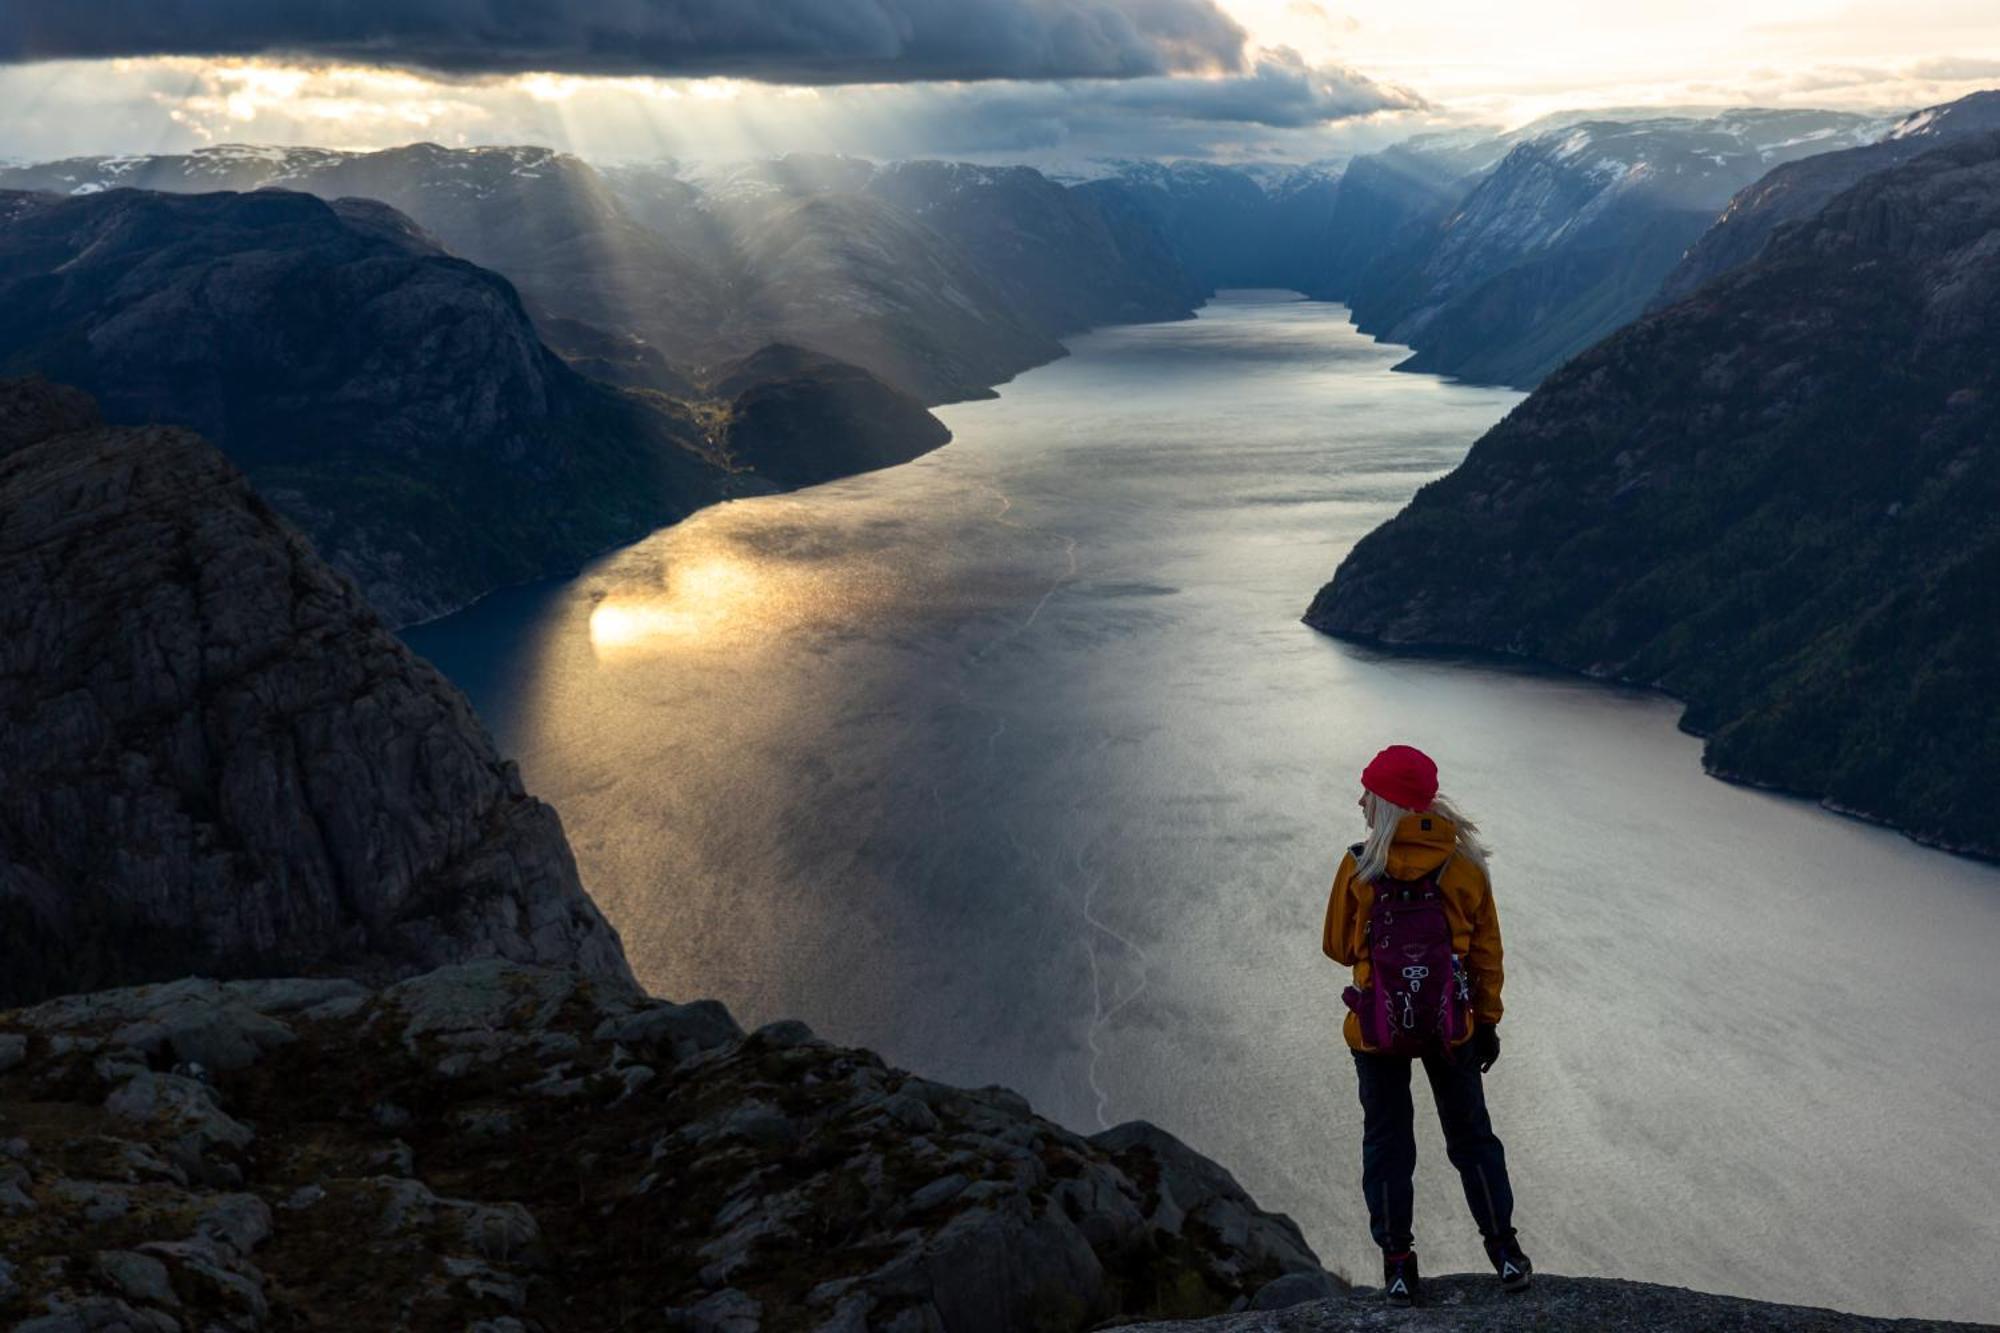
{"points": [[1797, 190], [693, 265], [1494, 256], [1775, 500]]}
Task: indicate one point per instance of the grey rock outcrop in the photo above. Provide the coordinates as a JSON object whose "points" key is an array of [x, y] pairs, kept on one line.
{"points": [[632, 1158], [217, 759]]}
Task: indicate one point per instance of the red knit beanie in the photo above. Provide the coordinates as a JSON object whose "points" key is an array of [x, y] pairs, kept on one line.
{"points": [[1402, 775]]}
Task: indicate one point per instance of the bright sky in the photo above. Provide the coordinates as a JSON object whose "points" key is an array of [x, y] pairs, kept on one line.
{"points": [[1365, 72], [1513, 60]]}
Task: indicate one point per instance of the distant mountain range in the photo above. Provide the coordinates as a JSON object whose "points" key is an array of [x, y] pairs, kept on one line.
{"points": [[1502, 276], [942, 279], [1495, 256], [1235, 226], [1778, 498], [1068, 259]]}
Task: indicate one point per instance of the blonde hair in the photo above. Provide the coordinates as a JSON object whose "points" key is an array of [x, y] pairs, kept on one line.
{"points": [[1383, 818]]}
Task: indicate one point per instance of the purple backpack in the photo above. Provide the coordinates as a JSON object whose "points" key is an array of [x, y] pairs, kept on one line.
{"points": [[1419, 996]]}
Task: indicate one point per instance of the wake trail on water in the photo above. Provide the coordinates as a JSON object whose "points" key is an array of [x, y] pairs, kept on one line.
{"points": [[1070, 567], [1071, 564], [1102, 1012]]}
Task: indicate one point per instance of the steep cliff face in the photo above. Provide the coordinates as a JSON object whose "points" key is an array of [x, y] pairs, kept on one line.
{"points": [[498, 1147], [216, 758], [1778, 499], [1569, 236], [1797, 190], [394, 401]]}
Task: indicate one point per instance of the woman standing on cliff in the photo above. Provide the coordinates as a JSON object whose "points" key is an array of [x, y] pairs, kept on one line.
{"points": [[1412, 913]]}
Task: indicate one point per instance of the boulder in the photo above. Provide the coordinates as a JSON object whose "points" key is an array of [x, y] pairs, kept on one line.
{"points": [[180, 1107], [140, 1277]]}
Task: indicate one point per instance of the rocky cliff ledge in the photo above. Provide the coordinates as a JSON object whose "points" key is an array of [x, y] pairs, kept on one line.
{"points": [[215, 758], [1475, 1304], [505, 1148]]}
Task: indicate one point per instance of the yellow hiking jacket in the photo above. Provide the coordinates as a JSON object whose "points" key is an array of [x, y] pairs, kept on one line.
{"points": [[1423, 843]]}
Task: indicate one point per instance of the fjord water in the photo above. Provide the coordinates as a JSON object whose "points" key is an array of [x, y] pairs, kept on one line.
{"points": [[1016, 764]]}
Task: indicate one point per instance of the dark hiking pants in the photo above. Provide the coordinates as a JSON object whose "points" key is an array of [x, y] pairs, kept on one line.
{"points": [[1389, 1143]]}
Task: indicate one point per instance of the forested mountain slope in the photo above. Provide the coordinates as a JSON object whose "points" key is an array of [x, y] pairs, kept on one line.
{"points": [[1778, 499]]}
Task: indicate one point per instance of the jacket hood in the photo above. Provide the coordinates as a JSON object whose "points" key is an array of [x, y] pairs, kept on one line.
{"points": [[1423, 842]]}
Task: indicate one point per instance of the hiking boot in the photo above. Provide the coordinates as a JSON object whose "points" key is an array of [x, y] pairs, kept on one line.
{"points": [[1399, 1278], [1513, 1266]]}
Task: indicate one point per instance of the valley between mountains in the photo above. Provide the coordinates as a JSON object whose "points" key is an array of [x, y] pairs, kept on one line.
{"points": [[305, 983]]}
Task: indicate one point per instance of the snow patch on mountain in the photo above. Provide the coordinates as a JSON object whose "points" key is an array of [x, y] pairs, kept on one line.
{"points": [[1916, 124]]}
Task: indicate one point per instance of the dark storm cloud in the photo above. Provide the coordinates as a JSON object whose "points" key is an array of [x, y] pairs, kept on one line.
{"points": [[1154, 116], [1282, 90], [780, 41]]}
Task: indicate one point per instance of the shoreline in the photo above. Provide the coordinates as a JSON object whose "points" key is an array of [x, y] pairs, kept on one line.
{"points": [[1520, 663]]}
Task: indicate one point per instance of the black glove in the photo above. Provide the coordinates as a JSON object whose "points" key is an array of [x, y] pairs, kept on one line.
{"points": [[1485, 1046]]}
